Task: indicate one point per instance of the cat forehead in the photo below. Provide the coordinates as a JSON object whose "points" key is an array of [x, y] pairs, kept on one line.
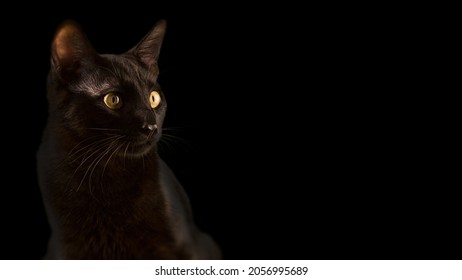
{"points": [[92, 84], [126, 64], [113, 71]]}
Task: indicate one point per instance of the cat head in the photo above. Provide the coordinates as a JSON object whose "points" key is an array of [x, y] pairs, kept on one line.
{"points": [[117, 97]]}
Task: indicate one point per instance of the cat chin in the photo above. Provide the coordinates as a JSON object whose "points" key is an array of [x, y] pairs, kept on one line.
{"points": [[138, 147], [138, 150]]}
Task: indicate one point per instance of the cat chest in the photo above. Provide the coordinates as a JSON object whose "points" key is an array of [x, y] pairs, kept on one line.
{"points": [[103, 236]]}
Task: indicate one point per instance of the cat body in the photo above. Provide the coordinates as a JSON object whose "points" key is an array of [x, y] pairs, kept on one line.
{"points": [[107, 193]]}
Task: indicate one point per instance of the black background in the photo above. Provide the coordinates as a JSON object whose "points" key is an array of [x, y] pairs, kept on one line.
{"points": [[300, 142]]}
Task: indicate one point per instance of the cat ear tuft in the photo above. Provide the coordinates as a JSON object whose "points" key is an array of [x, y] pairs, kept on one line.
{"points": [[70, 47], [148, 49]]}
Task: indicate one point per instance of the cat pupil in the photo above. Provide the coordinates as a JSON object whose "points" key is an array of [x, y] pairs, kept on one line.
{"points": [[115, 99]]}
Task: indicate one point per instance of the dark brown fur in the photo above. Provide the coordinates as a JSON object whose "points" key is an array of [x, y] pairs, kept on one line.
{"points": [[116, 199]]}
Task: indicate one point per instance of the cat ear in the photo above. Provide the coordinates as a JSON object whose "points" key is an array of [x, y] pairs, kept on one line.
{"points": [[70, 47], [148, 49]]}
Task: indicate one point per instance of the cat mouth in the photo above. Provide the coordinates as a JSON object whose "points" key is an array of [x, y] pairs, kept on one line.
{"points": [[138, 148]]}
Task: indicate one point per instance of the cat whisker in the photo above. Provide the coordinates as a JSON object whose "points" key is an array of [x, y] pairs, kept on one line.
{"points": [[81, 143], [125, 152], [89, 150], [169, 139], [98, 152], [168, 135], [107, 162], [94, 149], [164, 143], [96, 161], [87, 147], [177, 128]]}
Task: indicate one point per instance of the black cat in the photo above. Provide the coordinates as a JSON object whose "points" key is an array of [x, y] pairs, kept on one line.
{"points": [[107, 193]]}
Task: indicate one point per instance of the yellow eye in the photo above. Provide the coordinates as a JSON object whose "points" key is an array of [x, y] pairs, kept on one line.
{"points": [[154, 99], [112, 101]]}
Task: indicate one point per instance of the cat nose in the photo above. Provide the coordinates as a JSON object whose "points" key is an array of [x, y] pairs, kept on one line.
{"points": [[148, 128]]}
